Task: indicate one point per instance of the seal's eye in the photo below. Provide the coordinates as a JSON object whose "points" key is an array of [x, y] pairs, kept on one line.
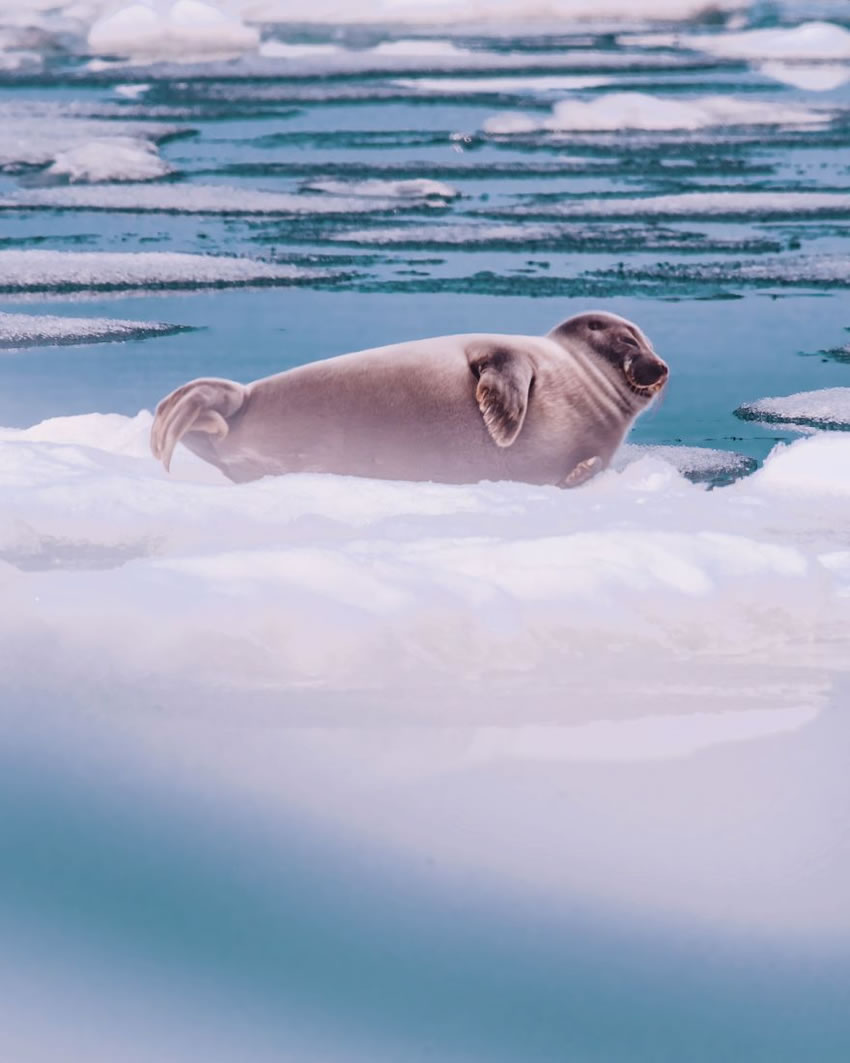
{"points": [[595, 325]]}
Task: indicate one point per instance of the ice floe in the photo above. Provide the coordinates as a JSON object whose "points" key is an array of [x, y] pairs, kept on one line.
{"points": [[33, 271], [637, 110], [198, 199], [810, 40], [415, 188], [36, 136], [694, 204], [145, 29], [29, 330], [813, 77], [111, 159], [828, 408]]}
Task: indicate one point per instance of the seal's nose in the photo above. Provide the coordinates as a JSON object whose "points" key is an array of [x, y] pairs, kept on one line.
{"points": [[649, 371]]}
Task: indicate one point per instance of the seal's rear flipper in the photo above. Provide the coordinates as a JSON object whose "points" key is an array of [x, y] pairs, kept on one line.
{"points": [[504, 377], [200, 406]]}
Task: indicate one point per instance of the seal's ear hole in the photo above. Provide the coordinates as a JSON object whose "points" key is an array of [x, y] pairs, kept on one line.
{"points": [[595, 325]]}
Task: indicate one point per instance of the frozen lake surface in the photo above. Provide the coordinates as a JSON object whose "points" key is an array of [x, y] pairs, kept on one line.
{"points": [[324, 769]]}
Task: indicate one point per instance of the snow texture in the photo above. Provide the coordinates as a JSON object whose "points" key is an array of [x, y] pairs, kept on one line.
{"points": [[33, 271]]}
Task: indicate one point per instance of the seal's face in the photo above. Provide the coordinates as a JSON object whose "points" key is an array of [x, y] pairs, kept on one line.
{"points": [[621, 345]]}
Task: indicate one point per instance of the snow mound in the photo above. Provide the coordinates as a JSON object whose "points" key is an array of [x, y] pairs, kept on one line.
{"points": [[184, 28], [28, 330], [193, 199], [33, 271], [111, 159], [810, 40], [637, 110], [828, 408]]}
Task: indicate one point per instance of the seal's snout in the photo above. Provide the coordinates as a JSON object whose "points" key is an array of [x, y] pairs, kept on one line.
{"points": [[649, 371], [646, 373]]}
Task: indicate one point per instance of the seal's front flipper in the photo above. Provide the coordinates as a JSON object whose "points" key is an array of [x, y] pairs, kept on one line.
{"points": [[583, 472], [200, 406], [504, 378]]}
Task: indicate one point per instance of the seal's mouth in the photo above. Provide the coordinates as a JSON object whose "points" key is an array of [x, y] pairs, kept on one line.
{"points": [[654, 375]]}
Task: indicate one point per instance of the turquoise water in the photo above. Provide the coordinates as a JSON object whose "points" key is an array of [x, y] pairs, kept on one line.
{"points": [[153, 908]]}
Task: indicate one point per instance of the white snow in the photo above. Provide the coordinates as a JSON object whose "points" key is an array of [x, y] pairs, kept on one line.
{"points": [[27, 330], [826, 407], [810, 40], [415, 188], [193, 199], [180, 29], [637, 110], [22, 271], [111, 159]]}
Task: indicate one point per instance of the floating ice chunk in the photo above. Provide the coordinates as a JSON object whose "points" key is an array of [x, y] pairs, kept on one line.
{"points": [[27, 330], [419, 46], [416, 188], [193, 199], [32, 271], [178, 29], [821, 77], [520, 85], [37, 138], [132, 91], [637, 110], [111, 159], [287, 50], [811, 40], [827, 408]]}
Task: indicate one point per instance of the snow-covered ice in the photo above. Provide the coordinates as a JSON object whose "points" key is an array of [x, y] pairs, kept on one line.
{"points": [[414, 188], [809, 40], [29, 330], [111, 159], [34, 271], [826, 408], [637, 110], [197, 199]]}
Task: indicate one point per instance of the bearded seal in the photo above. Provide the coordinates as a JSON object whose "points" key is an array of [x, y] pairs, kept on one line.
{"points": [[455, 409]]}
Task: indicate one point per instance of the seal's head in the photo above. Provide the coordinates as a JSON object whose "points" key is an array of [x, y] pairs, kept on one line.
{"points": [[618, 344]]}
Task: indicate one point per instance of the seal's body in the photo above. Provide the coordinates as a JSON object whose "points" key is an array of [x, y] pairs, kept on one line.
{"points": [[457, 409]]}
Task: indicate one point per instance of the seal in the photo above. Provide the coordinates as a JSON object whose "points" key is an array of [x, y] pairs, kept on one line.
{"points": [[455, 409]]}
